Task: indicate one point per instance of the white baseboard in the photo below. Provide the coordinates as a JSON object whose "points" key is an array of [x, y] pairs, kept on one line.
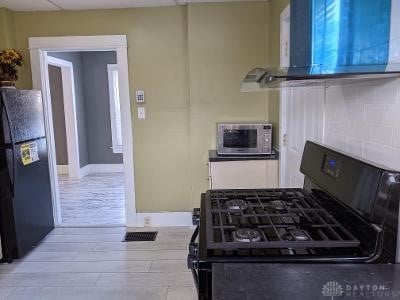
{"points": [[93, 168], [84, 171], [106, 168], [163, 219], [62, 169]]}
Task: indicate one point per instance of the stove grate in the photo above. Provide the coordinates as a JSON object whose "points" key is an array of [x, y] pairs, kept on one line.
{"points": [[284, 218]]}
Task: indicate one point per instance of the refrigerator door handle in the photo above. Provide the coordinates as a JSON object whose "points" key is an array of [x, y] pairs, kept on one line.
{"points": [[11, 146], [12, 179]]}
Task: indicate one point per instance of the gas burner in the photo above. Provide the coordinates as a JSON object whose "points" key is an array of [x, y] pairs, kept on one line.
{"points": [[295, 234], [290, 219], [278, 205], [246, 235], [287, 251], [236, 204]]}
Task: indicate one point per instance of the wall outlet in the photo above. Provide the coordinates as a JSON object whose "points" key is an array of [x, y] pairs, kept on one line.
{"points": [[147, 221], [141, 113]]}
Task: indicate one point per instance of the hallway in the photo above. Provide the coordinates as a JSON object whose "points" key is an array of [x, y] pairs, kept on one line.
{"points": [[94, 200]]}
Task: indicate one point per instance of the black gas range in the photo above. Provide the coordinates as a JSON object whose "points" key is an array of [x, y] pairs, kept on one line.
{"points": [[346, 212]]}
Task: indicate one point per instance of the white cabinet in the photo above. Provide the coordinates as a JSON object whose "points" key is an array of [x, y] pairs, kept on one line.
{"points": [[244, 174]]}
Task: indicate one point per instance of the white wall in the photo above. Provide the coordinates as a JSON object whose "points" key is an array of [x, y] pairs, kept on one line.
{"points": [[303, 115], [364, 120]]}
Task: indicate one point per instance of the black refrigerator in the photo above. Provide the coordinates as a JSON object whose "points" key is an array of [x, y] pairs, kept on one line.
{"points": [[26, 210]]}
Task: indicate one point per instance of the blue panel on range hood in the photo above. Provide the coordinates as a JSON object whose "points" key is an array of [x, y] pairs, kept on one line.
{"points": [[336, 39], [341, 36], [350, 36]]}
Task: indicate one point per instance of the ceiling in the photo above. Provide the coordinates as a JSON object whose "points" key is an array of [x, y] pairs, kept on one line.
{"points": [[37, 5]]}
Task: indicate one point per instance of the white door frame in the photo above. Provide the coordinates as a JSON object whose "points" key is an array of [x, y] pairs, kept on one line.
{"points": [[39, 46], [284, 63], [71, 126], [116, 148]]}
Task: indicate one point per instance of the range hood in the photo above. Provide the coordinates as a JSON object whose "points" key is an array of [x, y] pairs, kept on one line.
{"points": [[261, 79], [336, 41]]}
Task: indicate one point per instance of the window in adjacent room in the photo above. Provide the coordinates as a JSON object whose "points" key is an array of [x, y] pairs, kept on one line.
{"points": [[115, 108]]}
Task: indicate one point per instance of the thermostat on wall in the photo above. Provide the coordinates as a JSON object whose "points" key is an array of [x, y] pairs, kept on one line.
{"points": [[139, 96]]}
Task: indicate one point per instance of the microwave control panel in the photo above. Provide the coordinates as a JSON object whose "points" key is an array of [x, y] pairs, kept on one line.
{"points": [[267, 138]]}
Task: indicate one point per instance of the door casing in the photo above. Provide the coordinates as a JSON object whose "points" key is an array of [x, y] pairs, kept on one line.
{"points": [[39, 46]]}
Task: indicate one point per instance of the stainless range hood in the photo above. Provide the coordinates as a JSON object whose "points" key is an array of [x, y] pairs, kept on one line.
{"points": [[261, 79], [334, 42]]}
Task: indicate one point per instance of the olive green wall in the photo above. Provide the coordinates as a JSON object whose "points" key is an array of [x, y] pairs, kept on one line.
{"points": [[157, 64], [276, 8], [7, 29], [190, 61], [225, 42]]}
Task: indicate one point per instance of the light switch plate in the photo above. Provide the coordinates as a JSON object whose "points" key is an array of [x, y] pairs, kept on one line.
{"points": [[141, 113], [140, 96]]}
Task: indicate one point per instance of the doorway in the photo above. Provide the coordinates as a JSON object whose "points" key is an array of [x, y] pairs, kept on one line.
{"points": [[88, 137], [104, 177]]}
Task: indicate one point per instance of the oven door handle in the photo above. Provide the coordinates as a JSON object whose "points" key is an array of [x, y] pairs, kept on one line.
{"points": [[192, 260], [196, 280], [195, 234]]}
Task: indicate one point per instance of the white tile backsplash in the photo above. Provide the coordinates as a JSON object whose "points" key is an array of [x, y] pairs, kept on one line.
{"points": [[364, 120], [336, 140], [374, 113], [358, 129], [381, 134], [356, 111], [356, 147], [382, 154], [392, 114], [379, 91]]}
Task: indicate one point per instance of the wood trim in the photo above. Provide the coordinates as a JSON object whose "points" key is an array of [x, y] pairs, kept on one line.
{"points": [[40, 80], [84, 171], [71, 123], [163, 219], [98, 42], [38, 47], [92, 168], [62, 169], [285, 38], [127, 134], [283, 98], [106, 168], [116, 148]]}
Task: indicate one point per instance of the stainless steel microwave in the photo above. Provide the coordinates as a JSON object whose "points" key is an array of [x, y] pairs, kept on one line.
{"points": [[244, 138]]}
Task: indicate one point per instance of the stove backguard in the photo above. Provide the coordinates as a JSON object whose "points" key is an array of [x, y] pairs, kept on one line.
{"points": [[371, 190]]}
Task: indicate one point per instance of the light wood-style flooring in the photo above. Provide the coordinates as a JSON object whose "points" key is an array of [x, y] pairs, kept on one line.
{"points": [[93, 264], [94, 200]]}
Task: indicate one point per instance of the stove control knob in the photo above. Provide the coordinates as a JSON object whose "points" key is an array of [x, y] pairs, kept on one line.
{"points": [[193, 248], [192, 262], [196, 216]]}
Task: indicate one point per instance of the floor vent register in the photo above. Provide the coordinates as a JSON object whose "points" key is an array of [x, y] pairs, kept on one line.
{"points": [[140, 236]]}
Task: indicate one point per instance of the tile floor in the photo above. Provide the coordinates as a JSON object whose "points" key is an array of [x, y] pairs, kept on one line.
{"points": [[94, 200], [93, 263]]}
